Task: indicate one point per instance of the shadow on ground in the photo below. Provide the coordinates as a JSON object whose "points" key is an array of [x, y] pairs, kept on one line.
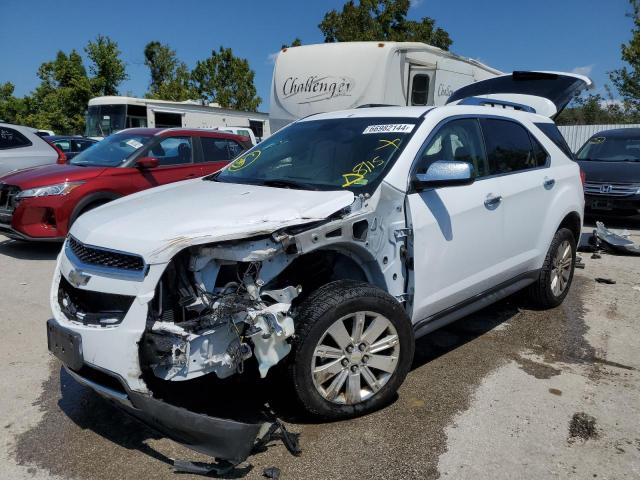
{"points": [[29, 250]]}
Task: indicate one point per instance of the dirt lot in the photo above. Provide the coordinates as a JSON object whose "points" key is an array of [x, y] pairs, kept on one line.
{"points": [[507, 393]]}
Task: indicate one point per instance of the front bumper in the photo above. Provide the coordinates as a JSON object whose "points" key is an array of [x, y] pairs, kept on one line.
{"points": [[37, 219], [221, 438]]}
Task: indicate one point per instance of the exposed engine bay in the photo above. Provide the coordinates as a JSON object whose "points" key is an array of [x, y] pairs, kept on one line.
{"points": [[212, 312]]}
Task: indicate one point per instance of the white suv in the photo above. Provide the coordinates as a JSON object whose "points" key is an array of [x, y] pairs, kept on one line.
{"points": [[327, 248]]}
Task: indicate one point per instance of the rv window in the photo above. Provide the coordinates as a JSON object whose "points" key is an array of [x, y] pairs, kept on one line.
{"points": [[257, 128], [420, 89], [509, 147]]}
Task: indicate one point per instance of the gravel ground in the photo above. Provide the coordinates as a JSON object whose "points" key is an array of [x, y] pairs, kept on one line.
{"points": [[509, 392]]}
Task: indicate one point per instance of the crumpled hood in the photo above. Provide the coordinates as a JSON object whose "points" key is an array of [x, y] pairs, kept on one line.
{"points": [[159, 222]]}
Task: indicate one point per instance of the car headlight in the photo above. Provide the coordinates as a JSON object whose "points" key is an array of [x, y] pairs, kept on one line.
{"points": [[59, 189]]}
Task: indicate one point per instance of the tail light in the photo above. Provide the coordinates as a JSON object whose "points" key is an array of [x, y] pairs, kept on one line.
{"points": [[62, 158], [583, 177]]}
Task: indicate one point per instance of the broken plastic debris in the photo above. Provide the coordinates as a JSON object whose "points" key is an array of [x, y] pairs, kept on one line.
{"points": [[608, 281], [271, 472], [616, 241]]}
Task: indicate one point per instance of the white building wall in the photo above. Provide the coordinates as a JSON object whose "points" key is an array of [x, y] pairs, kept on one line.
{"points": [[577, 135]]}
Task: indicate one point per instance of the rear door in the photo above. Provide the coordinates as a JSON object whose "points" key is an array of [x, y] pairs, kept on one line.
{"points": [[518, 159], [458, 231], [545, 93]]}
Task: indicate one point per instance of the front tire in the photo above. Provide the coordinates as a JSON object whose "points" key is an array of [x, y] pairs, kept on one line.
{"points": [[352, 350], [556, 274]]}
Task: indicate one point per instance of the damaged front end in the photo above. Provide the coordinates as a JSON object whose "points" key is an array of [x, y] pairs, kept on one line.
{"points": [[214, 310]]}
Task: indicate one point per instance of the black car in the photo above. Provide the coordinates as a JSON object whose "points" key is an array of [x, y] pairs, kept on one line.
{"points": [[70, 145], [611, 162]]}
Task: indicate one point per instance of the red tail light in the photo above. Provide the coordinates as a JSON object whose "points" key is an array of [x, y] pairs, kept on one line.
{"points": [[62, 158], [583, 177]]}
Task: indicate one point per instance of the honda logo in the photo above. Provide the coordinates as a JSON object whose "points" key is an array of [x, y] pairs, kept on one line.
{"points": [[605, 188], [78, 278]]}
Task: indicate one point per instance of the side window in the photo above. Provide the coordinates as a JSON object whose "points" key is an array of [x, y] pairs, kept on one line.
{"points": [[540, 155], [219, 149], [173, 151], [551, 131], [10, 138], [64, 145], [459, 140], [420, 89], [509, 147], [80, 145]]}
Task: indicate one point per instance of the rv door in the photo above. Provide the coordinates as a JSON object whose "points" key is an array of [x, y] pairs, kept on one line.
{"points": [[546, 93], [420, 89]]}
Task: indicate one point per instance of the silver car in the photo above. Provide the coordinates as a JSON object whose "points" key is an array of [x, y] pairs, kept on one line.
{"points": [[21, 148]]}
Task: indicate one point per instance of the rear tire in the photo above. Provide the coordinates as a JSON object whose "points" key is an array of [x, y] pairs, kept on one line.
{"points": [[556, 275], [352, 350]]}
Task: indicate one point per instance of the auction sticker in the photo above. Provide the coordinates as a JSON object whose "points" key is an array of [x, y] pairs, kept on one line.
{"points": [[133, 143], [391, 128]]}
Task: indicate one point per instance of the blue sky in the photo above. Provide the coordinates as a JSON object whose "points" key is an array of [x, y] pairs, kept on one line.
{"points": [[506, 34]]}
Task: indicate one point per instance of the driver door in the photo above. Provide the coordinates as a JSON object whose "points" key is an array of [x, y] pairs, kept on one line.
{"points": [[458, 231]]}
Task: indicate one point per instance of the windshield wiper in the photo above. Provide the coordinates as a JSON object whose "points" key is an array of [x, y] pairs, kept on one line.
{"points": [[287, 184]]}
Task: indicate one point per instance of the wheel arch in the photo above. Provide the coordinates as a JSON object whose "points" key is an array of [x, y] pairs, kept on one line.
{"points": [[573, 222]]}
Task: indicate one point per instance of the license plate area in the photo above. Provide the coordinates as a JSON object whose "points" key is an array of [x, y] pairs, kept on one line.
{"points": [[65, 344], [602, 204]]}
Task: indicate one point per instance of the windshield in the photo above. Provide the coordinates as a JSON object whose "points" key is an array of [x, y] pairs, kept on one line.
{"points": [[103, 120], [345, 153], [611, 149], [112, 151]]}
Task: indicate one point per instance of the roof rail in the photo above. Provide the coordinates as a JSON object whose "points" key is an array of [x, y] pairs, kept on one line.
{"points": [[491, 102]]}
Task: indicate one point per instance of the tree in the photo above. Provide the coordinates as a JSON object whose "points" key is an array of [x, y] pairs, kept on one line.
{"points": [[107, 68], [11, 107], [170, 78], [627, 79], [594, 109], [376, 20], [59, 102], [227, 80], [296, 43]]}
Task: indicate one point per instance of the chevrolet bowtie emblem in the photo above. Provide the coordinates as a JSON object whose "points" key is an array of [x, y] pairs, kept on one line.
{"points": [[78, 278]]}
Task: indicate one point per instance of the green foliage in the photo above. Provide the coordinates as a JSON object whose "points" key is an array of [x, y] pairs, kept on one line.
{"points": [[170, 78], [227, 80], [10, 107], [594, 109], [296, 43], [378, 20], [627, 79], [107, 68]]}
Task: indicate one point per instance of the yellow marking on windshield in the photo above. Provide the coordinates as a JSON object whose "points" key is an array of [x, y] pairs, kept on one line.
{"points": [[359, 172], [389, 143], [244, 161]]}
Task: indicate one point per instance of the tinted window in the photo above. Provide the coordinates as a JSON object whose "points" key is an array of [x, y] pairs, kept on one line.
{"points": [[610, 149], [10, 138], [219, 149], [509, 147], [64, 145], [551, 131], [80, 145], [420, 90], [459, 140], [172, 151]]}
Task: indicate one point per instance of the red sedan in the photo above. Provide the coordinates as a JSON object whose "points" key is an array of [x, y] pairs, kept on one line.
{"points": [[43, 202]]}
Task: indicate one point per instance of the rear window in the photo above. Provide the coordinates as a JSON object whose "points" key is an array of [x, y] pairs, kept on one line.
{"points": [[552, 132], [10, 138]]}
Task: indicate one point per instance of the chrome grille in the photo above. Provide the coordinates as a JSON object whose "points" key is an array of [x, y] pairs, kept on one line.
{"points": [[105, 258], [611, 189]]}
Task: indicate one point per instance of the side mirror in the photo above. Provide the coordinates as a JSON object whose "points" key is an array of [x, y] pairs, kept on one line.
{"points": [[146, 163], [444, 173]]}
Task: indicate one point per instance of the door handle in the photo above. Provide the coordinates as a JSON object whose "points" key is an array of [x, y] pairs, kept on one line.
{"points": [[549, 183], [492, 201]]}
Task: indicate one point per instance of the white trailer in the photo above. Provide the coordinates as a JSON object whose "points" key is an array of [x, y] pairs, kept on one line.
{"points": [[337, 76], [106, 115]]}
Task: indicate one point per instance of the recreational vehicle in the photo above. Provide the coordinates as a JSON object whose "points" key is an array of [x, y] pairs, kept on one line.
{"points": [[336, 76], [106, 115]]}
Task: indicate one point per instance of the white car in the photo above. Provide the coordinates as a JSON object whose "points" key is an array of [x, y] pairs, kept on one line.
{"points": [[21, 148], [329, 247]]}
